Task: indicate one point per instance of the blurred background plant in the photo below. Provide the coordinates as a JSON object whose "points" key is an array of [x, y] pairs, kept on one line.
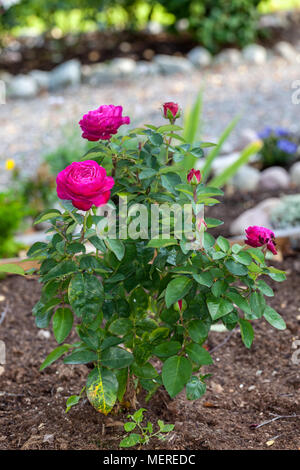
{"points": [[12, 212], [287, 213], [214, 23], [280, 147]]}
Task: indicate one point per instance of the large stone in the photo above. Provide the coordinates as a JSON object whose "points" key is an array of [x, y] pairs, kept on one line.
{"points": [[287, 51], [255, 54], [68, 73], [124, 66], [295, 173], [229, 56], [42, 78], [274, 177], [259, 215], [246, 178], [22, 86], [99, 74], [172, 64], [145, 68], [200, 57]]}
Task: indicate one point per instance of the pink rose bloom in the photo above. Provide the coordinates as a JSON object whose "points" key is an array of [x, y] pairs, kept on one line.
{"points": [[194, 176], [102, 123], [85, 184], [259, 236], [173, 108]]}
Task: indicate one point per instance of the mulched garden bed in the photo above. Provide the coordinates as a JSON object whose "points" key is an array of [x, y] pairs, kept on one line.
{"points": [[245, 389]]}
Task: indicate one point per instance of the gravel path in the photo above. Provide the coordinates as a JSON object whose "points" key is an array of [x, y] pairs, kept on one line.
{"points": [[262, 95]]}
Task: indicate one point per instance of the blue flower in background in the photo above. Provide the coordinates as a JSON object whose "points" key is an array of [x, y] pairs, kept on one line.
{"points": [[280, 132], [287, 146], [265, 133]]}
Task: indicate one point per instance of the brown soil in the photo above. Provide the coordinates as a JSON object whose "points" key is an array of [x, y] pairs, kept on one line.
{"points": [[246, 387], [45, 52]]}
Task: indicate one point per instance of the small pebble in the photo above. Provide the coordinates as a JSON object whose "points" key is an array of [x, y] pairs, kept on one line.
{"points": [[241, 385], [48, 438], [44, 334], [258, 372], [252, 387]]}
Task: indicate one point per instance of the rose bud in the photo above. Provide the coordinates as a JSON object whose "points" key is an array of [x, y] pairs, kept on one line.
{"points": [[85, 184], [102, 123], [261, 236], [194, 176], [180, 306], [171, 111]]}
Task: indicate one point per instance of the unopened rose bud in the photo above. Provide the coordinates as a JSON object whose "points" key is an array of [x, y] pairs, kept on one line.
{"points": [[194, 176], [202, 225], [180, 306], [171, 111]]}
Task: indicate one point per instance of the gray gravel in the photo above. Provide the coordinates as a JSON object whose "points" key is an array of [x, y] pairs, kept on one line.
{"points": [[261, 94]]}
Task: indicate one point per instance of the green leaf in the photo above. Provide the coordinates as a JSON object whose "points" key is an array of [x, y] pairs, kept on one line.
{"points": [[223, 244], [167, 349], [12, 269], [218, 307], [147, 371], [62, 323], [264, 288], [274, 318], [258, 304], [223, 177], [86, 296], [195, 389], [72, 401], [64, 268], [239, 301], [235, 268], [165, 427], [36, 248], [160, 243], [101, 390], [148, 173], [198, 354], [169, 181], [211, 223], [47, 215], [54, 355], [256, 254], [176, 372], [130, 441], [116, 358], [205, 278], [129, 426], [243, 257], [177, 289], [198, 330], [83, 356], [246, 332], [121, 326], [216, 150], [117, 247]]}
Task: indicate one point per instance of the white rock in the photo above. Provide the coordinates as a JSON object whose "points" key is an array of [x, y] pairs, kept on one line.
{"points": [[48, 438], [145, 68], [200, 57], [68, 73], [22, 86], [123, 65], [258, 215], [5, 76], [229, 56], [44, 334], [169, 64], [274, 177], [100, 73], [246, 178], [41, 77], [255, 54], [287, 51], [295, 173]]}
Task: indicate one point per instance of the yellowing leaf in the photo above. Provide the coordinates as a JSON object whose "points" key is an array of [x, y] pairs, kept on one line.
{"points": [[101, 390]]}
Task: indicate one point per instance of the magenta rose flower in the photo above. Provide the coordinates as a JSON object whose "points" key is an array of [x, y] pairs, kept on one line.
{"points": [[171, 110], [260, 236], [85, 184], [102, 123], [194, 176]]}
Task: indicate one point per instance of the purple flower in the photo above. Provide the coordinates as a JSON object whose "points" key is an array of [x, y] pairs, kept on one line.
{"points": [[102, 123], [265, 133], [280, 132], [287, 146]]}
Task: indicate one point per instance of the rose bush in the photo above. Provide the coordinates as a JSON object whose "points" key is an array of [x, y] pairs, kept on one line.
{"points": [[143, 302]]}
